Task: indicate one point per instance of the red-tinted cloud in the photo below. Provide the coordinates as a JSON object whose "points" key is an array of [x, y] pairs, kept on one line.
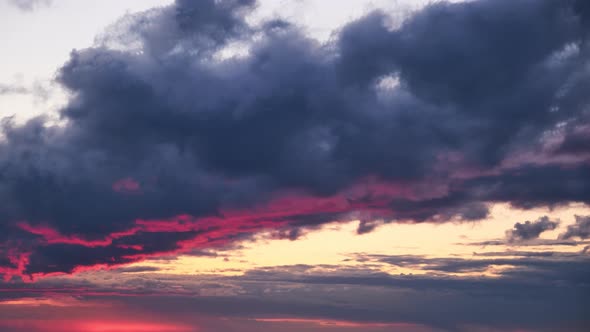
{"points": [[51, 236], [80, 325], [51, 252]]}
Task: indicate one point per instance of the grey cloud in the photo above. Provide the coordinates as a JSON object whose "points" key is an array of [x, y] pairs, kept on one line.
{"points": [[562, 267], [288, 234], [532, 243], [6, 89], [139, 268], [367, 226], [39, 90], [30, 5], [530, 230], [580, 229]]}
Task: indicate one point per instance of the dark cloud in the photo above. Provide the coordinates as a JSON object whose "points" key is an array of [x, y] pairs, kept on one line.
{"points": [[367, 226], [167, 146], [139, 268], [531, 243], [530, 230], [532, 186], [288, 234], [536, 267], [515, 253], [453, 205], [580, 229], [576, 139]]}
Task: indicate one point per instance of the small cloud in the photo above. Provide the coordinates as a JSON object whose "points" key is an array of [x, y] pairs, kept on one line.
{"points": [[40, 90], [580, 229], [8, 89], [291, 234], [366, 226], [30, 5], [530, 230], [137, 269]]}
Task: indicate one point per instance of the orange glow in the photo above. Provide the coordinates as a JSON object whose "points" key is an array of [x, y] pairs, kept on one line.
{"points": [[130, 327], [35, 302], [332, 323], [95, 326]]}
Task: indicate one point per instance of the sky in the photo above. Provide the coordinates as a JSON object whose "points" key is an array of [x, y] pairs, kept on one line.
{"points": [[304, 165]]}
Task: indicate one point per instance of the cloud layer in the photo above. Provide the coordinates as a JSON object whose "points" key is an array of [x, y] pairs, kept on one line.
{"points": [[456, 297]]}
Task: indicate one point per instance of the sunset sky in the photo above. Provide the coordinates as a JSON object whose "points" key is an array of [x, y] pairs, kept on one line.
{"points": [[294, 165]]}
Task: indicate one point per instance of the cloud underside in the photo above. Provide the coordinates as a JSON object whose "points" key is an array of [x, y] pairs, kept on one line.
{"points": [[168, 145]]}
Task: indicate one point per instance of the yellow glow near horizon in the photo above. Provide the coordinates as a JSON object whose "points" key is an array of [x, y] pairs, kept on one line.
{"points": [[333, 244]]}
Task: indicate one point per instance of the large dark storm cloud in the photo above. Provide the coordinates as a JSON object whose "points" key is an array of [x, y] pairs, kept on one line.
{"points": [[483, 101]]}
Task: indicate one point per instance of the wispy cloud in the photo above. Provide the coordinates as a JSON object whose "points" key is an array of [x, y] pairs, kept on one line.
{"points": [[30, 5]]}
